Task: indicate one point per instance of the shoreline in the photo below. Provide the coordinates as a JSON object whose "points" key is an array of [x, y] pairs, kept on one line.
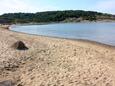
{"points": [[72, 39], [55, 61]]}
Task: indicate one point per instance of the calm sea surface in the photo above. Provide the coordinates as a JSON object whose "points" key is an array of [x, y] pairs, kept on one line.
{"points": [[100, 32]]}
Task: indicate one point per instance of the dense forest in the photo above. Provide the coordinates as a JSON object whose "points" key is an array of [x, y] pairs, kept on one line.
{"points": [[54, 16]]}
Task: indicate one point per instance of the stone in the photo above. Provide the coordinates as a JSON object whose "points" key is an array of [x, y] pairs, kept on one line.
{"points": [[19, 45], [6, 83]]}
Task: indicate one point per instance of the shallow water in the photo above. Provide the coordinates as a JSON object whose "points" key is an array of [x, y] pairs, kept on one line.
{"points": [[100, 32]]}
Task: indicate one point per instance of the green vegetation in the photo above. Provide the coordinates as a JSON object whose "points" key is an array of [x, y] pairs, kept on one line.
{"points": [[54, 16]]}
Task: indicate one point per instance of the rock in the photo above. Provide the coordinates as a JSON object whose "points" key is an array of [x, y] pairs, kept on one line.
{"points": [[19, 45], [6, 83]]}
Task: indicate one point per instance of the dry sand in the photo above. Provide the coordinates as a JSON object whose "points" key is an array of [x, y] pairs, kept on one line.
{"points": [[55, 62]]}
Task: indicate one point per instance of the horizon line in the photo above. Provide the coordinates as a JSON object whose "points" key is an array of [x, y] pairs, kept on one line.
{"points": [[58, 10]]}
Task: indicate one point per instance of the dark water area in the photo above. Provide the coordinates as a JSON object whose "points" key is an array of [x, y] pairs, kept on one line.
{"points": [[103, 32]]}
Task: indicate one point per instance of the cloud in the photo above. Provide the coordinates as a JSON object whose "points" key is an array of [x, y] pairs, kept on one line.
{"points": [[12, 6], [106, 5]]}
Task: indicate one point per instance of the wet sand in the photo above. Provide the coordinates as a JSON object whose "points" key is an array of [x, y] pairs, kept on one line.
{"points": [[55, 62]]}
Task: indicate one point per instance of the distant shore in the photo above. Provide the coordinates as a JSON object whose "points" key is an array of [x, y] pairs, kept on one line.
{"points": [[55, 61], [45, 23], [56, 16]]}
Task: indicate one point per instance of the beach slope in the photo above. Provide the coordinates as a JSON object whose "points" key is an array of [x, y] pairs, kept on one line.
{"points": [[55, 62]]}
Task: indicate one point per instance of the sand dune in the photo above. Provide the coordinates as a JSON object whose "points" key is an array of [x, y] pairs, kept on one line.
{"points": [[55, 62]]}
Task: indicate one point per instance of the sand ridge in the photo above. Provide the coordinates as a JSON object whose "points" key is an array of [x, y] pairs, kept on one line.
{"points": [[55, 62]]}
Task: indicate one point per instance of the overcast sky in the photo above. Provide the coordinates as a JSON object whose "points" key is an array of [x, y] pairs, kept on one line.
{"points": [[12, 6]]}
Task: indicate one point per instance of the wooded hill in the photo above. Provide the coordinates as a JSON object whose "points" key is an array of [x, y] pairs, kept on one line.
{"points": [[54, 16]]}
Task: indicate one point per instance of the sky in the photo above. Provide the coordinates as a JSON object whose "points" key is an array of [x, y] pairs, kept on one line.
{"points": [[33, 6]]}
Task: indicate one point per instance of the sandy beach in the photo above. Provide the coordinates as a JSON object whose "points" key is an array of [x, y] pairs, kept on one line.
{"points": [[55, 62]]}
